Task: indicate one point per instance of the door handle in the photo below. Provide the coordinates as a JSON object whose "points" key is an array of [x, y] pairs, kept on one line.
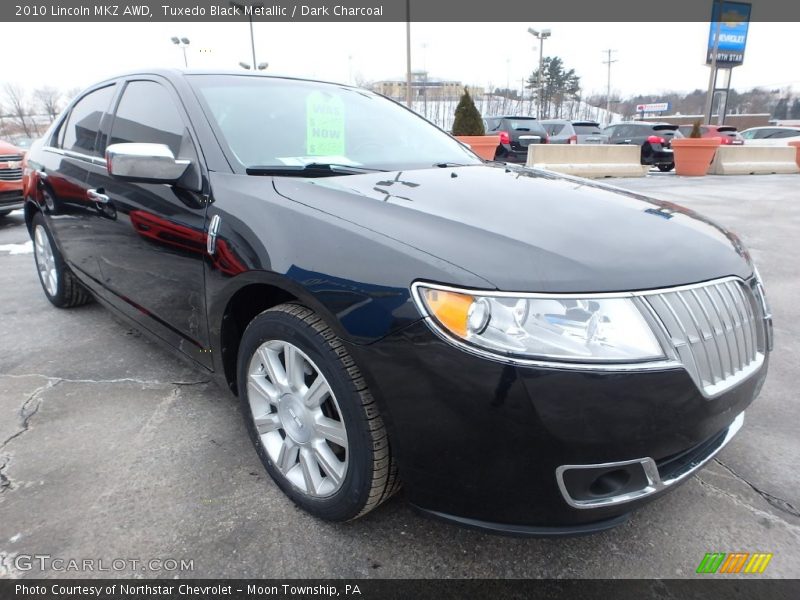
{"points": [[211, 238], [96, 196], [626, 141]]}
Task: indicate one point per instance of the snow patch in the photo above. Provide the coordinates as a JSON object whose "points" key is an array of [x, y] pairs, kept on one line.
{"points": [[26, 248]]}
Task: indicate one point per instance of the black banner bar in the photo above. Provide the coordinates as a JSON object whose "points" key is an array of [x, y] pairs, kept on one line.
{"points": [[382, 10], [710, 588]]}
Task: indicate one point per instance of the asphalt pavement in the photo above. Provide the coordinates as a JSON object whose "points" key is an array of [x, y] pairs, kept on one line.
{"points": [[112, 448]]}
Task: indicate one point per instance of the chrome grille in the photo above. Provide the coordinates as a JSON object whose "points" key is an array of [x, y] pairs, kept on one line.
{"points": [[7, 174], [10, 174], [715, 331]]}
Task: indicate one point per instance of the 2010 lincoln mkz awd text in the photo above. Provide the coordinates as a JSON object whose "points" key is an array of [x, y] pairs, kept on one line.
{"points": [[527, 353]]}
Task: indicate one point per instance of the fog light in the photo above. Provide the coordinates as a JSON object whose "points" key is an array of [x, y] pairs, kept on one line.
{"points": [[610, 483]]}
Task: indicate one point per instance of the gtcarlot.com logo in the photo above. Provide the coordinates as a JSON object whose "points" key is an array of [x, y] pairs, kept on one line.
{"points": [[734, 562], [46, 562]]}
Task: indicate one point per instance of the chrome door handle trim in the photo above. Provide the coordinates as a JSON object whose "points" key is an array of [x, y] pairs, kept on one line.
{"points": [[98, 197], [211, 238]]}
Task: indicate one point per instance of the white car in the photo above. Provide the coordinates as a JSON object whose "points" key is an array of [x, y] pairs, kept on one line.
{"points": [[771, 136]]}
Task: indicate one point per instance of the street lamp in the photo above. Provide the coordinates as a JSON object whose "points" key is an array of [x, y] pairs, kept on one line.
{"points": [[541, 36], [242, 7], [181, 43], [260, 66]]}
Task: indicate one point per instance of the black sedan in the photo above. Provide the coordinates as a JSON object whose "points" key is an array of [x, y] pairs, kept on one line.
{"points": [[655, 140], [526, 353]]}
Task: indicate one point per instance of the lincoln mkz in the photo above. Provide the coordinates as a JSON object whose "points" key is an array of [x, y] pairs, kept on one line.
{"points": [[523, 352]]}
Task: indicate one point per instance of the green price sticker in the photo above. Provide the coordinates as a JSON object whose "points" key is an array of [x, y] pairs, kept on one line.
{"points": [[324, 125]]}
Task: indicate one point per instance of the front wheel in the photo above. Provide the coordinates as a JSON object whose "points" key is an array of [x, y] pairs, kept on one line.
{"points": [[666, 168], [311, 417]]}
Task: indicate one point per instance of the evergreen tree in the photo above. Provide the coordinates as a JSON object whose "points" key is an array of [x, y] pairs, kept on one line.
{"points": [[558, 83], [468, 120], [796, 109]]}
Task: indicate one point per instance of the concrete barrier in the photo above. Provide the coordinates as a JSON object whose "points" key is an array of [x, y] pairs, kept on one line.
{"points": [[754, 160], [588, 160]]}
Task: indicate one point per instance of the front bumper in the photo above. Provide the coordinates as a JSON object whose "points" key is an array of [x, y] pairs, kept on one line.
{"points": [[480, 442], [11, 198]]}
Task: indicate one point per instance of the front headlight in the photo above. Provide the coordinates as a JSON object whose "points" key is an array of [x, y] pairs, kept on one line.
{"points": [[546, 327]]}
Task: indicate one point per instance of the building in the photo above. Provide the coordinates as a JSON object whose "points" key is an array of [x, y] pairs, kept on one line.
{"points": [[424, 87]]}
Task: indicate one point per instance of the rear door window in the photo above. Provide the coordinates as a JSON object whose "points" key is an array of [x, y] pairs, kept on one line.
{"points": [[586, 129], [783, 133], [493, 124]]}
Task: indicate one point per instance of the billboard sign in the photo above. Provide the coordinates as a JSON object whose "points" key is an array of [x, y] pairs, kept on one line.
{"points": [[733, 27], [651, 108]]}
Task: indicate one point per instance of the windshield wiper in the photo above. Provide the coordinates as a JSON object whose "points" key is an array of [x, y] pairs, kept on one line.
{"points": [[309, 170], [445, 165]]}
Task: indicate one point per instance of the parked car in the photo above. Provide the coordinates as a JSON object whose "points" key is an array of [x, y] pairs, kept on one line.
{"points": [[655, 140], [562, 131], [727, 134], [516, 134], [771, 136], [527, 352], [11, 197]]}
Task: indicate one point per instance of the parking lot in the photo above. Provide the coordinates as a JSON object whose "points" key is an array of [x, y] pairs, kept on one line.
{"points": [[110, 448]]}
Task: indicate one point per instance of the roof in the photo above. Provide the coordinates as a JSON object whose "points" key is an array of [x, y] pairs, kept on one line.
{"points": [[173, 74]]}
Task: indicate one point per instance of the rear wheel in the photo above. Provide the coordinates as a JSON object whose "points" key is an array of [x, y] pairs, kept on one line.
{"points": [[59, 284], [311, 416], [665, 168]]}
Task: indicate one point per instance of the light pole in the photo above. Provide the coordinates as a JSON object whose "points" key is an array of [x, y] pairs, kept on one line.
{"points": [[608, 88], [541, 36], [243, 8], [182, 43]]}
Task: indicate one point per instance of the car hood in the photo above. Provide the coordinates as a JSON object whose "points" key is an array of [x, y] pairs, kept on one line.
{"points": [[525, 230], [6, 148]]}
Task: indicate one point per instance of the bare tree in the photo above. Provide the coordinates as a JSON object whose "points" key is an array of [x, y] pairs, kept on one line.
{"points": [[19, 109], [48, 100]]}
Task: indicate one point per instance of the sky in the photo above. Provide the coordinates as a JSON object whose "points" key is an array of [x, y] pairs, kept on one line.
{"points": [[651, 57]]}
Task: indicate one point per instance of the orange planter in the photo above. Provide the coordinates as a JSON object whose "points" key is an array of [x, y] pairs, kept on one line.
{"points": [[797, 148], [483, 145], [693, 156]]}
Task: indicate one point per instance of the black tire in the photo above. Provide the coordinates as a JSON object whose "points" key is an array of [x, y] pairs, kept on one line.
{"points": [[69, 291], [666, 168], [371, 476], [4, 213]]}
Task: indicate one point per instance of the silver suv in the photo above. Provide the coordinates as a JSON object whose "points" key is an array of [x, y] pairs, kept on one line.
{"points": [[563, 131]]}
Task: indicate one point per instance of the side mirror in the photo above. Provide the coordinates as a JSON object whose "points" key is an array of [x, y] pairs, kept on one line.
{"points": [[144, 163]]}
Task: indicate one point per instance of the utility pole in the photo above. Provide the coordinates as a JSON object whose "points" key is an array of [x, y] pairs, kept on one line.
{"points": [[608, 62], [408, 53]]}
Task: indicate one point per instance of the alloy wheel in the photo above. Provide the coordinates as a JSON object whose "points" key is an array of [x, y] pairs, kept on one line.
{"points": [[297, 418], [45, 260]]}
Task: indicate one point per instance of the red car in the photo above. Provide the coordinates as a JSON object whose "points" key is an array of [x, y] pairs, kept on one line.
{"points": [[726, 133], [11, 196]]}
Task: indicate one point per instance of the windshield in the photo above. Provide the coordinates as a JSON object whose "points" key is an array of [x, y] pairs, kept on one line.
{"points": [[282, 122]]}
